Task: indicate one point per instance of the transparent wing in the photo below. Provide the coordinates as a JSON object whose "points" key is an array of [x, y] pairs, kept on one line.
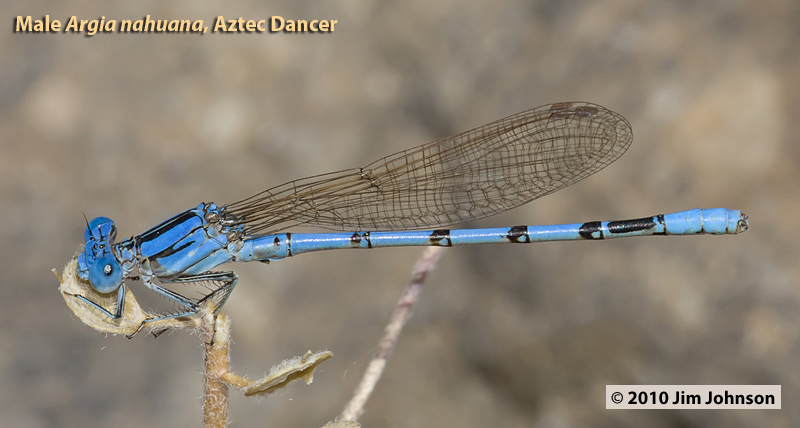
{"points": [[479, 173]]}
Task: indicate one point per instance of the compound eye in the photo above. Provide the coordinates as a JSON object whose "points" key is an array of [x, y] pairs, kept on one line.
{"points": [[100, 228], [105, 275]]}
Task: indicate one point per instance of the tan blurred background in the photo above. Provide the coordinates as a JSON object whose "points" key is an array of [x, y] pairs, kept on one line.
{"points": [[139, 127]]}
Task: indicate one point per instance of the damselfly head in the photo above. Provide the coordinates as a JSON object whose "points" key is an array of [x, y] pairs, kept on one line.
{"points": [[97, 263]]}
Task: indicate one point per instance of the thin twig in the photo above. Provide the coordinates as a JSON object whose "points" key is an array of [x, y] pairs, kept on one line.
{"points": [[402, 312], [217, 360]]}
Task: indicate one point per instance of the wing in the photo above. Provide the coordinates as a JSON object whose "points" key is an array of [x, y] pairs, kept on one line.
{"points": [[476, 174]]}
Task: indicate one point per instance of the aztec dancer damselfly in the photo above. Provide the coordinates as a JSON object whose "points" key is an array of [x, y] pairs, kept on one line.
{"points": [[472, 175]]}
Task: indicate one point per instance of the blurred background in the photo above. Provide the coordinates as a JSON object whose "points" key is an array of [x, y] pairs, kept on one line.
{"points": [[139, 127]]}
